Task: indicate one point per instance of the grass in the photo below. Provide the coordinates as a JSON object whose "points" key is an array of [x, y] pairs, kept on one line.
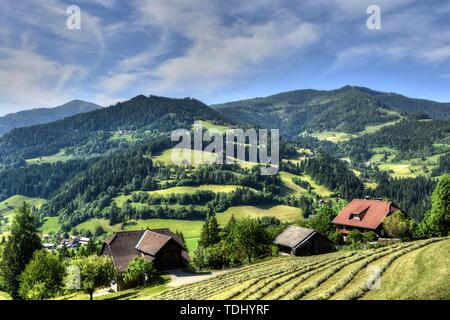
{"points": [[122, 199], [425, 274], [208, 125], [300, 156], [328, 276], [336, 136], [411, 168], [333, 136], [135, 293], [4, 296], [322, 191], [185, 156], [189, 189], [60, 156], [8, 206], [282, 212], [377, 127], [128, 137], [289, 188], [92, 224], [51, 224]]}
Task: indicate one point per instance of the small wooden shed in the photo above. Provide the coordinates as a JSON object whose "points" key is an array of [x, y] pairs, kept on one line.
{"points": [[298, 241]]}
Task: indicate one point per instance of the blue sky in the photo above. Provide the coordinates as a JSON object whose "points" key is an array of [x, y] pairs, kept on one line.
{"points": [[218, 51]]}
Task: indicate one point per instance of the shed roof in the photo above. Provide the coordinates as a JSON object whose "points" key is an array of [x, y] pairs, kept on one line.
{"points": [[151, 242], [293, 236]]}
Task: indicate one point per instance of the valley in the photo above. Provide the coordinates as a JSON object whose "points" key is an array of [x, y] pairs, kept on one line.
{"points": [[110, 170]]}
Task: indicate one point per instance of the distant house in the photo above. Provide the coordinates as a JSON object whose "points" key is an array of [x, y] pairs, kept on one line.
{"points": [[84, 241], [364, 215], [48, 246], [299, 241], [161, 246]]}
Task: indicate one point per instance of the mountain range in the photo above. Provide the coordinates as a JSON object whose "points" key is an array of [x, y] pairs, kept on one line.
{"points": [[84, 163], [349, 109], [44, 115]]}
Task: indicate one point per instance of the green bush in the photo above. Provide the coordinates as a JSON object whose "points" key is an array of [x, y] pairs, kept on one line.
{"points": [[140, 270], [355, 236], [336, 237], [370, 236]]}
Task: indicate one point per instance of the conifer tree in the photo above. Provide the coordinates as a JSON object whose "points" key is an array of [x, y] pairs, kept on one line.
{"points": [[19, 249]]}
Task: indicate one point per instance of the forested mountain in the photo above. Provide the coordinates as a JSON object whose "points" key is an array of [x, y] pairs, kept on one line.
{"points": [[44, 115], [140, 118], [411, 138], [349, 109], [435, 110], [111, 154]]}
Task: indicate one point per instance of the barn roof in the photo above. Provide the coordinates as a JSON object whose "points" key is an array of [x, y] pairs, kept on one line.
{"points": [[362, 213], [151, 242], [293, 236], [124, 246]]}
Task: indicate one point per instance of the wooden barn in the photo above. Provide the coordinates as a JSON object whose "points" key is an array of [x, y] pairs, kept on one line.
{"points": [[364, 215], [161, 246], [298, 241]]}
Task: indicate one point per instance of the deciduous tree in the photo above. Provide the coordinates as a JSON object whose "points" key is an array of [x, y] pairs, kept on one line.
{"points": [[43, 276]]}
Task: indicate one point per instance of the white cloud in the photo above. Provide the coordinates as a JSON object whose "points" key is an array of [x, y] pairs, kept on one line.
{"points": [[49, 17], [413, 33], [30, 80], [219, 50]]}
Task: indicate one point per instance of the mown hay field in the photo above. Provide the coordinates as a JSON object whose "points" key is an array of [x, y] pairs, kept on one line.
{"points": [[344, 275]]}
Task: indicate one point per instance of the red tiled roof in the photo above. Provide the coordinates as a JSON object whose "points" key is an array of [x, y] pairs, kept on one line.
{"points": [[372, 213]]}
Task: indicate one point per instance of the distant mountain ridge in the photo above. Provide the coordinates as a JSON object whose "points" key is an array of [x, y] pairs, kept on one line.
{"points": [[93, 132], [348, 109], [44, 115]]}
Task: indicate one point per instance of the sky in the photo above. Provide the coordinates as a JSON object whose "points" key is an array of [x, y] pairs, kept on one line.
{"points": [[218, 51]]}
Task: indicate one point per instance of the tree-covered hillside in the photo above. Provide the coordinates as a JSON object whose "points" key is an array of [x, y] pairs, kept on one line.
{"points": [[93, 132], [349, 109], [44, 115]]}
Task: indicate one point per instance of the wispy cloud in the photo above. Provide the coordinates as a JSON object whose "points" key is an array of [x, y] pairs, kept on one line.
{"points": [[28, 79], [208, 49], [218, 50]]}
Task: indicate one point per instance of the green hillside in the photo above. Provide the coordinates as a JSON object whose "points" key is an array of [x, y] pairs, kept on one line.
{"points": [[340, 275], [8, 206], [96, 132], [348, 110], [424, 275]]}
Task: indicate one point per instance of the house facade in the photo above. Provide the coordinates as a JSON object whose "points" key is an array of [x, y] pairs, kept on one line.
{"points": [[364, 215]]}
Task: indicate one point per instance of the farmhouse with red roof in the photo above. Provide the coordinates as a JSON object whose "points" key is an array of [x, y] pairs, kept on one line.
{"points": [[364, 215]]}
